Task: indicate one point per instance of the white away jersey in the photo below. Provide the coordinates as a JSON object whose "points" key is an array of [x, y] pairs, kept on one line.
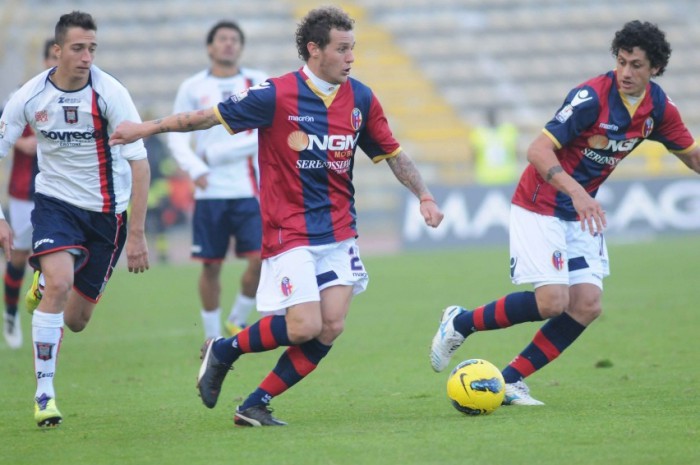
{"points": [[230, 161], [76, 163]]}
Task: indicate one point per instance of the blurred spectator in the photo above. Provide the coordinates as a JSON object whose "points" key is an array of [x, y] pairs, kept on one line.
{"points": [[495, 151]]}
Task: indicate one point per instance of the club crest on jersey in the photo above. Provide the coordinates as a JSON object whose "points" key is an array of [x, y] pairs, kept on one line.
{"points": [[558, 260], [70, 115], [356, 119], [41, 116], [286, 286], [648, 127], [44, 350]]}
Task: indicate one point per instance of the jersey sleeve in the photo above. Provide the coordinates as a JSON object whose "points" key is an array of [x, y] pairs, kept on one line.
{"points": [[251, 109], [672, 132], [180, 143], [12, 122], [121, 108], [579, 111], [377, 140]]}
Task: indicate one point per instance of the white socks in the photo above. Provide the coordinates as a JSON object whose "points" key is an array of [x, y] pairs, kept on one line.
{"points": [[242, 307], [47, 332], [211, 320]]}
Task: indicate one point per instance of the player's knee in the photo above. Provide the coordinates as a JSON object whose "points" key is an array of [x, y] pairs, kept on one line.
{"points": [[58, 287], [586, 312], [331, 331], [301, 331], [76, 324], [552, 302]]}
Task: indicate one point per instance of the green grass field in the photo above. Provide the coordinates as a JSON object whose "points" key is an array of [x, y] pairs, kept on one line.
{"points": [[126, 385]]}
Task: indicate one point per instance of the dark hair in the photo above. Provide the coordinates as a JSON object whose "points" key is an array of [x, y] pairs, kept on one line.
{"points": [[316, 27], [73, 19], [47, 47], [646, 36], [225, 25]]}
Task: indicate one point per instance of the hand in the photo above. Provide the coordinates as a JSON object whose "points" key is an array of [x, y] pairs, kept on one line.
{"points": [[202, 182], [137, 253], [6, 239], [590, 212], [125, 133], [431, 213]]}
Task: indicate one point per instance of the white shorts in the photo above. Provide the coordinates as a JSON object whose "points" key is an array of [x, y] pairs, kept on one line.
{"points": [[300, 274], [21, 222], [548, 250]]}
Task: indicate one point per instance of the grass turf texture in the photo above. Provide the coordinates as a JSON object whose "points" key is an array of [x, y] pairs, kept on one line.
{"points": [[625, 393]]}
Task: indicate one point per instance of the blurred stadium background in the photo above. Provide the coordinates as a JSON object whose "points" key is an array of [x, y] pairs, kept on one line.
{"points": [[437, 65]]}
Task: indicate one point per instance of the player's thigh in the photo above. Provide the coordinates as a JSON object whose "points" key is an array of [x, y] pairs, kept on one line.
{"points": [[245, 225], [286, 280], [210, 229], [108, 236], [538, 248], [588, 257], [21, 221], [340, 264]]}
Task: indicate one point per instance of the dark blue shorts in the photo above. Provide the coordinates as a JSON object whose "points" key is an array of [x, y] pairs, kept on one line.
{"points": [[96, 238], [215, 221]]}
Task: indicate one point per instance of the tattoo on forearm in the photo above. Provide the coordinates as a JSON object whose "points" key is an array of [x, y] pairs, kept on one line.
{"points": [[406, 172], [161, 127], [552, 171]]}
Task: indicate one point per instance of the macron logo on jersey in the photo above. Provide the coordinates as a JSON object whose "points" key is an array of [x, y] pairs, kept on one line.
{"points": [[580, 97]]}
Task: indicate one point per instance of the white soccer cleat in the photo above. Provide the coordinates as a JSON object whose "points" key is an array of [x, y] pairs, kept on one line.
{"points": [[446, 340], [519, 394], [12, 331]]}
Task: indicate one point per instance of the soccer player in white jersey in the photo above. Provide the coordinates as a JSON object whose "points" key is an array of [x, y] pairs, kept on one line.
{"points": [[82, 191], [21, 204], [224, 170]]}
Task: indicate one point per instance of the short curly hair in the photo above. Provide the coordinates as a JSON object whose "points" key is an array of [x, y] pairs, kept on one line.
{"points": [[316, 27], [646, 36]]}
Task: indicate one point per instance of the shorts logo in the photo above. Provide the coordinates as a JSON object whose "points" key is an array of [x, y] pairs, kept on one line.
{"points": [[44, 350], [70, 115], [513, 264], [286, 286], [557, 260]]}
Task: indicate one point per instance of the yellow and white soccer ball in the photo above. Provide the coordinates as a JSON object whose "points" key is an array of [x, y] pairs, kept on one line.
{"points": [[476, 387]]}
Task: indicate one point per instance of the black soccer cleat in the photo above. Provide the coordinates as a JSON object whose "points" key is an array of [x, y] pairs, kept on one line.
{"points": [[258, 415], [211, 374]]}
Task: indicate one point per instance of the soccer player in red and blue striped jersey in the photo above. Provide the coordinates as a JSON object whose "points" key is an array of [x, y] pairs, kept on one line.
{"points": [[556, 224], [310, 123]]}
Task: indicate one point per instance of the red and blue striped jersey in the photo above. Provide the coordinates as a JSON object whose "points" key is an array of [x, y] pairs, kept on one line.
{"points": [[593, 131], [306, 151], [24, 169]]}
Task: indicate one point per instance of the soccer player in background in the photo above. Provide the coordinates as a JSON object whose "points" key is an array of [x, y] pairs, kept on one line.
{"points": [[310, 123], [21, 204], [224, 170], [556, 225], [82, 191]]}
